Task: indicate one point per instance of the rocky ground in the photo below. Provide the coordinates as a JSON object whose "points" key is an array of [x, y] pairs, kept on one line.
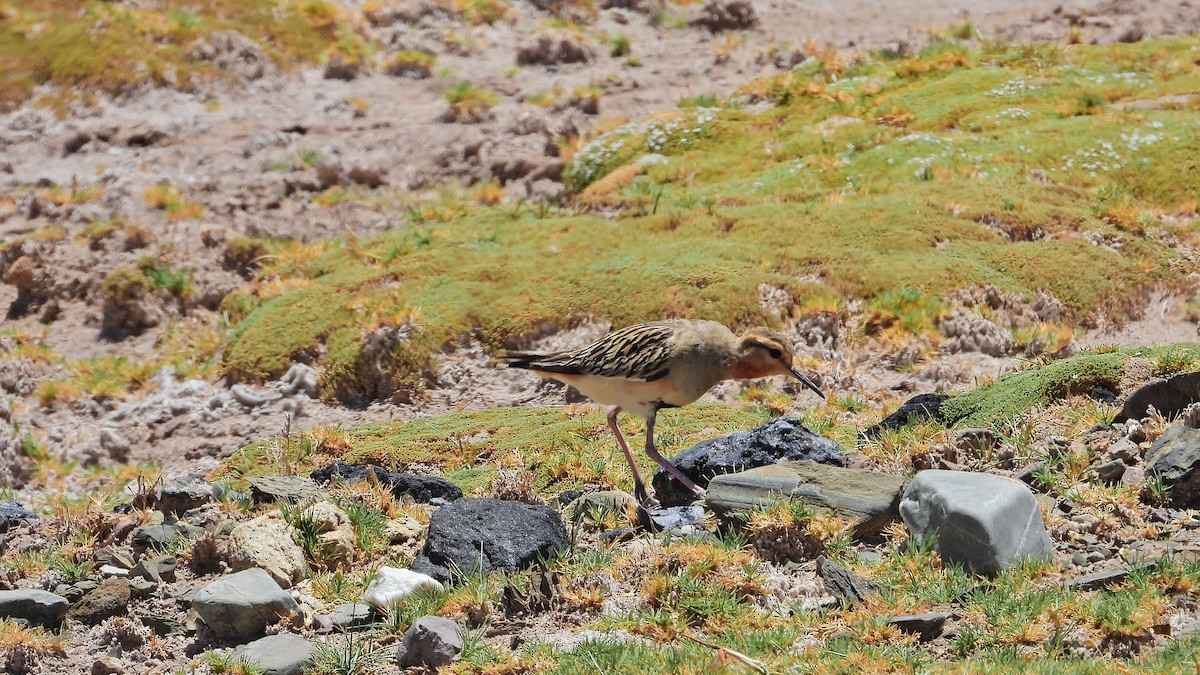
{"points": [[172, 180]]}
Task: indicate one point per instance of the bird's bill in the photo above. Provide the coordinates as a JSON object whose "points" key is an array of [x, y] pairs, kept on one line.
{"points": [[809, 383]]}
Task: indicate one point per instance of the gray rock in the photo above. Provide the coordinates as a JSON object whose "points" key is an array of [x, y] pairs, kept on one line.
{"points": [[510, 535], [242, 605], [1169, 397], [183, 494], [155, 568], [282, 654], [1175, 459], [778, 440], [107, 665], [431, 642], [38, 607], [919, 408], [981, 521], [158, 536], [13, 514], [286, 488], [679, 519], [846, 586], [868, 498], [1111, 472], [108, 599], [351, 615], [928, 625]]}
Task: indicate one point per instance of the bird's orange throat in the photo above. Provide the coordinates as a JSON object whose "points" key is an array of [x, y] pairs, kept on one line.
{"points": [[748, 370]]}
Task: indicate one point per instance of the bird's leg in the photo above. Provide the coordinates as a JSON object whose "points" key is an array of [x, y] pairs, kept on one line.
{"points": [[639, 488], [662, 461]]}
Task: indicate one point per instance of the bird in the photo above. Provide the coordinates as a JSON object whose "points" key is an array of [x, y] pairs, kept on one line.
{"points": [[643, 368]]}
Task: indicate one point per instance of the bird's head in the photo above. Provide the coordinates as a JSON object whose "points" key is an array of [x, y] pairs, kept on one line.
{"points": [[763, 352]]}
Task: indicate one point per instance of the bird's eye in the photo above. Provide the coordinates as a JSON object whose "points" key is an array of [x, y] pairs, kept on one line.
{"points": [[775, 353]]}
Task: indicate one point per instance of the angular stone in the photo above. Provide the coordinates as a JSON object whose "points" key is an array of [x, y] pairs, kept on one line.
{"points": [[928, 625], [351, 615], [1169, 397], [241, 606], [110, 598], [1175, 459], [41, 608], [403, 530], [431, 642], [778, 440], [266, 542], [868, 498], [683, 520], [1112, 576], [981, 521], [392, 585], [282, 654], [846, 586], [182, 494], [502, 535], [284, 488], [916, 409], [158, 536], [13, 514], [155, 568]]}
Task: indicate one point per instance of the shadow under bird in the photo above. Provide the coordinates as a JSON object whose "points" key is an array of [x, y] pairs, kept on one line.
{"points": [[644, 368]]}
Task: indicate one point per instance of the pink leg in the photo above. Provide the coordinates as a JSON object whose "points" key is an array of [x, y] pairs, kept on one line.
{"points": [[670, 468], [639, 488]]}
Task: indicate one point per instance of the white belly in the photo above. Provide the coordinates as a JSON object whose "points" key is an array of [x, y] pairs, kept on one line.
{"points": [[638, 398]]}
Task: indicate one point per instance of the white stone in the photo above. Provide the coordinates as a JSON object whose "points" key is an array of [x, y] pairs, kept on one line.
{"points": [[392, 585], [113, 571]]}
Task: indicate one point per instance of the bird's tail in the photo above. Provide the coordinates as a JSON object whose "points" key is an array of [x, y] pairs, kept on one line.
{"points": [[523, 360]]}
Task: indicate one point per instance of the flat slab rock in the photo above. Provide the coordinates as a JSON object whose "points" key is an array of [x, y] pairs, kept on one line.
{"points": [[779, 440], [868, 498], [981, 521], [494, 534], [282, 654], [287, 488]]}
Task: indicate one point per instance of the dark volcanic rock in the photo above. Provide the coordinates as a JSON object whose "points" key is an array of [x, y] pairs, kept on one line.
{"points": [[419, 488], [501, 535], [843, 584], [183, 494], [11, 515], [778, 440], [1169, 397], [928, 625], [916, 409]]}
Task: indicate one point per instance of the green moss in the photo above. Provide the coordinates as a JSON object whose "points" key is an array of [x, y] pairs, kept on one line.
{"points": [[958, 169], [1000, 402]]}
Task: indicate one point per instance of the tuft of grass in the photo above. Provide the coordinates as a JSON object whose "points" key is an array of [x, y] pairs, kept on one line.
{"points": [[169, 199], [469, 102]]}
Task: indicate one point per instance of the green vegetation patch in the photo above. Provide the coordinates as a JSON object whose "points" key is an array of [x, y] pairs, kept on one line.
{"points": [[917, 178], [562, 447], [1001, 401], [110, 47]]}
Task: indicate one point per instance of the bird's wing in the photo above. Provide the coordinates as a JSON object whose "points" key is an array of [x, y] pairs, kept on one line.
{"points": [[640, 352]]}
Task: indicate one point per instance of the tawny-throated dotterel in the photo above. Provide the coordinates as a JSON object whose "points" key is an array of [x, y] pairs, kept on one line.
{"points": [[664, 364]]}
